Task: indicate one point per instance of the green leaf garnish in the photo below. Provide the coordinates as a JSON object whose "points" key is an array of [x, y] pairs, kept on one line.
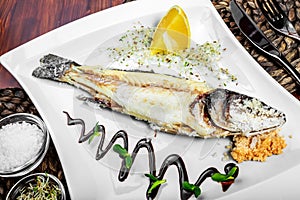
{"points": [[224, 177], [156, 182], [192, 188], [232, 171], [96, 133], [152, 177], [120, 150], [124, 154], [128, 161]]}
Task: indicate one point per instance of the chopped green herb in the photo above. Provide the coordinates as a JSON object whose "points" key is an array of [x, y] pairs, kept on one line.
{"points": [[133, 51]]}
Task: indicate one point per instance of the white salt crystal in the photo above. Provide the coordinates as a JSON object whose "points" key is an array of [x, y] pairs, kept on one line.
{"points": [[19, 142]]}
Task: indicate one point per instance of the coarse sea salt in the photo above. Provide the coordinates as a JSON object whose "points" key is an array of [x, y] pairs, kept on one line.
{"points": [[19, 143]]}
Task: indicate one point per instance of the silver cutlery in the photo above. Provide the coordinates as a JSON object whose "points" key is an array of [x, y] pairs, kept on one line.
{"points": [[277, 18], [258, 39]]}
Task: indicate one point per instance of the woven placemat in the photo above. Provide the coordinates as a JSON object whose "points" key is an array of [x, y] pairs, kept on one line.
{"points": [[289, 47], [15, 100]]}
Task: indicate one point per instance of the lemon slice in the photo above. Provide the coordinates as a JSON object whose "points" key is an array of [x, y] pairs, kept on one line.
{"points": [[172, 32]]}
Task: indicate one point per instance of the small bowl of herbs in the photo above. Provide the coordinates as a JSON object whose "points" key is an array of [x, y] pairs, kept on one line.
{"points": [[38, 186]]}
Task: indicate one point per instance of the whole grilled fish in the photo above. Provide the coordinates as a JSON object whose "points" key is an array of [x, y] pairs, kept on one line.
{"points": [[168, 103]]}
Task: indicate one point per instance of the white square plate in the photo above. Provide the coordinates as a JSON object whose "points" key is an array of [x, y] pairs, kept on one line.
{"points": [[277, 178]]}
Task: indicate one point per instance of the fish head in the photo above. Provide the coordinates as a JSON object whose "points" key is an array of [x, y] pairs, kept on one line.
{"points": [[241, 114]]}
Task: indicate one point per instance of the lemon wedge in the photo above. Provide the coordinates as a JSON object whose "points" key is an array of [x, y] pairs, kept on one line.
{"points": [[172, 32]]}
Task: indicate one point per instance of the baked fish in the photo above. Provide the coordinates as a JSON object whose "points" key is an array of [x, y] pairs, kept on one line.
{"points": [[170, 104]]}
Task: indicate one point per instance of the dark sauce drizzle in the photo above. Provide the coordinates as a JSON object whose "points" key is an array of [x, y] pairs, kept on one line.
{"points": [[170, 160]]}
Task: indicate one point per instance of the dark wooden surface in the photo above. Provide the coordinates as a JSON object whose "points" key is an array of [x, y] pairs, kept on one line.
{"points": [[24, 20]]}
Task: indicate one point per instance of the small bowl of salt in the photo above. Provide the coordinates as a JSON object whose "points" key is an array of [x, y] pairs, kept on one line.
{"points": [[24, 141]]}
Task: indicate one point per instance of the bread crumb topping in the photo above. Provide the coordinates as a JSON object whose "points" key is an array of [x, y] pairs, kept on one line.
{"points": [[257, 147]]}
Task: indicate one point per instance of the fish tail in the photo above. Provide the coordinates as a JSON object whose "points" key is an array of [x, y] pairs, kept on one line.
{"points": [[53, 67]]}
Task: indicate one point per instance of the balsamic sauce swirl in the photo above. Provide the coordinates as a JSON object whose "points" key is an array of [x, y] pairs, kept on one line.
{"points": [[170, 160]]}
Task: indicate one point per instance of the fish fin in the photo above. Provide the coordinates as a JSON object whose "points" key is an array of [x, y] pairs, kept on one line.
{"points": [[53, 67], [91, 101], [100, 101]]}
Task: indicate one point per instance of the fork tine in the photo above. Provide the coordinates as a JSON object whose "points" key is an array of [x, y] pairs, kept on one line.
{"points": [[265, 8], [277, 18], [276, 6], [272, 11]]}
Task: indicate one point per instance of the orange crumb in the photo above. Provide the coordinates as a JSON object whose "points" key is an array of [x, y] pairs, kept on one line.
{"points": [[257, 147]]}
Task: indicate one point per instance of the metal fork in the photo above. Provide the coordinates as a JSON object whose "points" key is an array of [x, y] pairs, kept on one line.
{"points": [[277, 18]]}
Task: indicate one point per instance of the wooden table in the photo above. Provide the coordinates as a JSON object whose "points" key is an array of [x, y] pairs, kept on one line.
{"points": [[24, 20], [21, 21]]}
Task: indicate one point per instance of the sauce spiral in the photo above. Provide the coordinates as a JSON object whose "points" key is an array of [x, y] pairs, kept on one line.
{"points": [[187, 189]]}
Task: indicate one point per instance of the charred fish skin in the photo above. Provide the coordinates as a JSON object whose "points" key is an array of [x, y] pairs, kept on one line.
{"points": [[169, 104]]}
